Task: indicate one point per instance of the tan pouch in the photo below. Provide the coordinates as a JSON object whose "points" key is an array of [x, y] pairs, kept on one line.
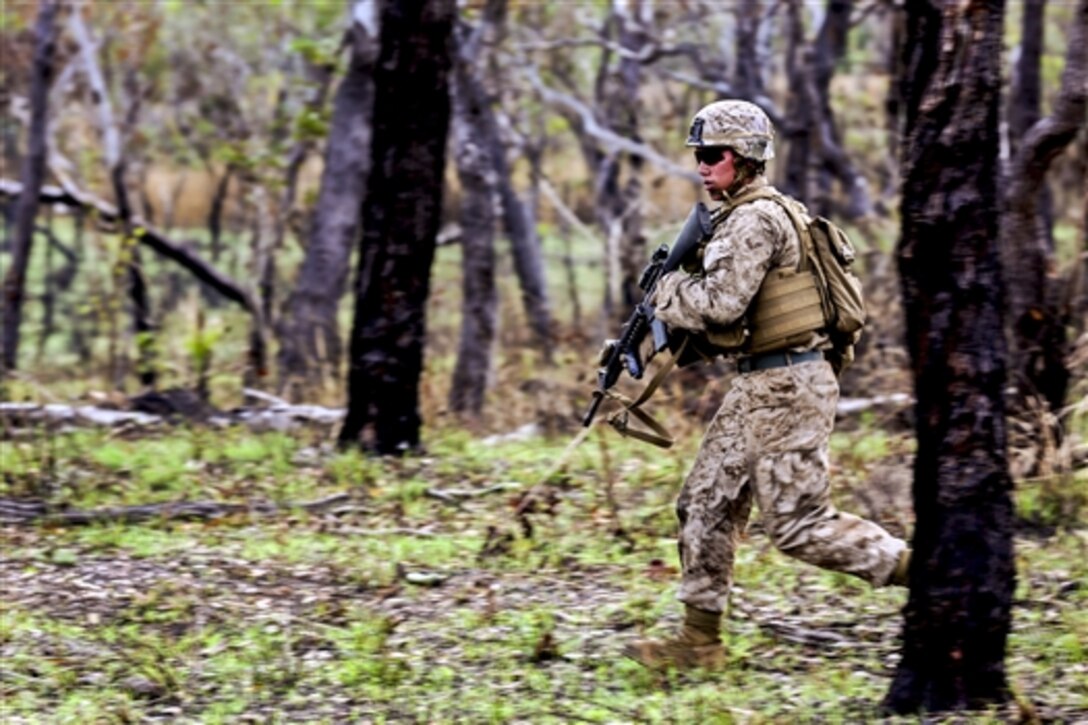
{"points": [[787, 310]]}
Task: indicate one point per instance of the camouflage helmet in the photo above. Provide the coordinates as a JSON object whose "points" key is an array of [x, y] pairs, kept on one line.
{"points": [[740, 125]]}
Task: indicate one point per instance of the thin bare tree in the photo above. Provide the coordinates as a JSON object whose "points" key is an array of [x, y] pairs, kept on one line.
{"points": [[33, 175]]}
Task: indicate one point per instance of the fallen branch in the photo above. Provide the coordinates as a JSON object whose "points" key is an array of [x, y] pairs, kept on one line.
{"points": [[455, 496], [285, 417], [857, 405], [37, 512], [796, 633]]}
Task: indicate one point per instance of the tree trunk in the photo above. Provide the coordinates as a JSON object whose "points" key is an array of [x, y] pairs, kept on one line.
{"points": [[1025, 88], [401, 216], [215, 213], [958, 614], [114, 156], [798, 128], [476, 170], [1024, 107], [308, 330], [633, 22], [519, 217], [828, 51], [1038, 323], [322, 74], [747, 79], [33, 174]]}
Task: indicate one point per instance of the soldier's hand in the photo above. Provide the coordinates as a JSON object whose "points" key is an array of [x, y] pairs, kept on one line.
{"points": [[607, 349]]}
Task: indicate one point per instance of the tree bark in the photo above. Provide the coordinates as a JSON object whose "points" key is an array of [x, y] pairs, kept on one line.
{"points": [[1038, 323], [476, 169], [747, 76], [308, 331], [519, 217], [33, 174], [1024, 108], [633, 35], [828, 51], [1025, 92], [798, 128], [958, 615], [215, 213], [401, 217]]}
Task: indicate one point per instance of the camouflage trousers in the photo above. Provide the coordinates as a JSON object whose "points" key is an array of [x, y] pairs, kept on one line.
{"points": [[769, 440]]}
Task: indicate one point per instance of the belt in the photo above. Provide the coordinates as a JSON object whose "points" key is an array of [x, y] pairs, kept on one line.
{"points": [[770, 360]]}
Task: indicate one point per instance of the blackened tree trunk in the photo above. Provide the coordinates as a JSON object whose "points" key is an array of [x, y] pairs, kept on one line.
{"points": [[400, 217], [33, 174], [1038, 321], [958, 614], [1025, 92], [476, 170], [307, 330]]}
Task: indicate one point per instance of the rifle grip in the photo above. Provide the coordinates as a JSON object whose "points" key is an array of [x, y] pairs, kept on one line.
{"points": [[660, 333]]}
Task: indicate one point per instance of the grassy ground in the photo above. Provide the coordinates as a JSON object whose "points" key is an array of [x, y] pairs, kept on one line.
{"points": [[427, 597]]}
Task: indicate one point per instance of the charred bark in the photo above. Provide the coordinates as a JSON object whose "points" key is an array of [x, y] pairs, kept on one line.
{"points": [[33, 174], [962, 577], [308, 331], [400, 217]]}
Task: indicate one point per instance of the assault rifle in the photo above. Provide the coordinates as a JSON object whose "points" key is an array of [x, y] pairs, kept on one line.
{"points": [[624, 353]]}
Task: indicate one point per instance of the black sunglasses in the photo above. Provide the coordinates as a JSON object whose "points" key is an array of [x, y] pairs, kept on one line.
{"points": [[709, 156]]}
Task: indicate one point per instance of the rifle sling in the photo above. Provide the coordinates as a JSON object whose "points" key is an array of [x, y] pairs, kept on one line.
{"points": [[655, 433]]}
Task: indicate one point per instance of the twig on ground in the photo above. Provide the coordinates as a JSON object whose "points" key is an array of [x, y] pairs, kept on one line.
{"points": [[29, 512]]}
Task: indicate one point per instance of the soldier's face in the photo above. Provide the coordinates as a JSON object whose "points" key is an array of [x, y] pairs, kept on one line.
{"points": [[717, 170]]}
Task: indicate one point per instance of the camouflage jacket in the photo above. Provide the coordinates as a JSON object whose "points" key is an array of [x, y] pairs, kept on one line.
{"points": [[751, 240]]}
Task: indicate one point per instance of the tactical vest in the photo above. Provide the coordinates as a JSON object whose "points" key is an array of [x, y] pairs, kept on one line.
{"points": [[790, 304]]}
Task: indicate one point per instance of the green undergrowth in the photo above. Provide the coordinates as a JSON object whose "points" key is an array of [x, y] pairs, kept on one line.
{"points": [[477, 583]]}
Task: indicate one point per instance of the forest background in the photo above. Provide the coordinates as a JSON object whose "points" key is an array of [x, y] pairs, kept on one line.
{"points": [[183, 538]]}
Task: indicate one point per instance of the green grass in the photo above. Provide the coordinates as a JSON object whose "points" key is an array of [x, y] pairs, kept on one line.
{"points": [[311, 616]]}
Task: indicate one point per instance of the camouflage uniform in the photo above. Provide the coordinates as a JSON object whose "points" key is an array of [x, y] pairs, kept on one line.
{"points": [[769, 439]]}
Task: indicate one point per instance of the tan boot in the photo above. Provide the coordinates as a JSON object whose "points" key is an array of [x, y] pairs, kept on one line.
{"points": [[698, 644], [901, 575]]}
